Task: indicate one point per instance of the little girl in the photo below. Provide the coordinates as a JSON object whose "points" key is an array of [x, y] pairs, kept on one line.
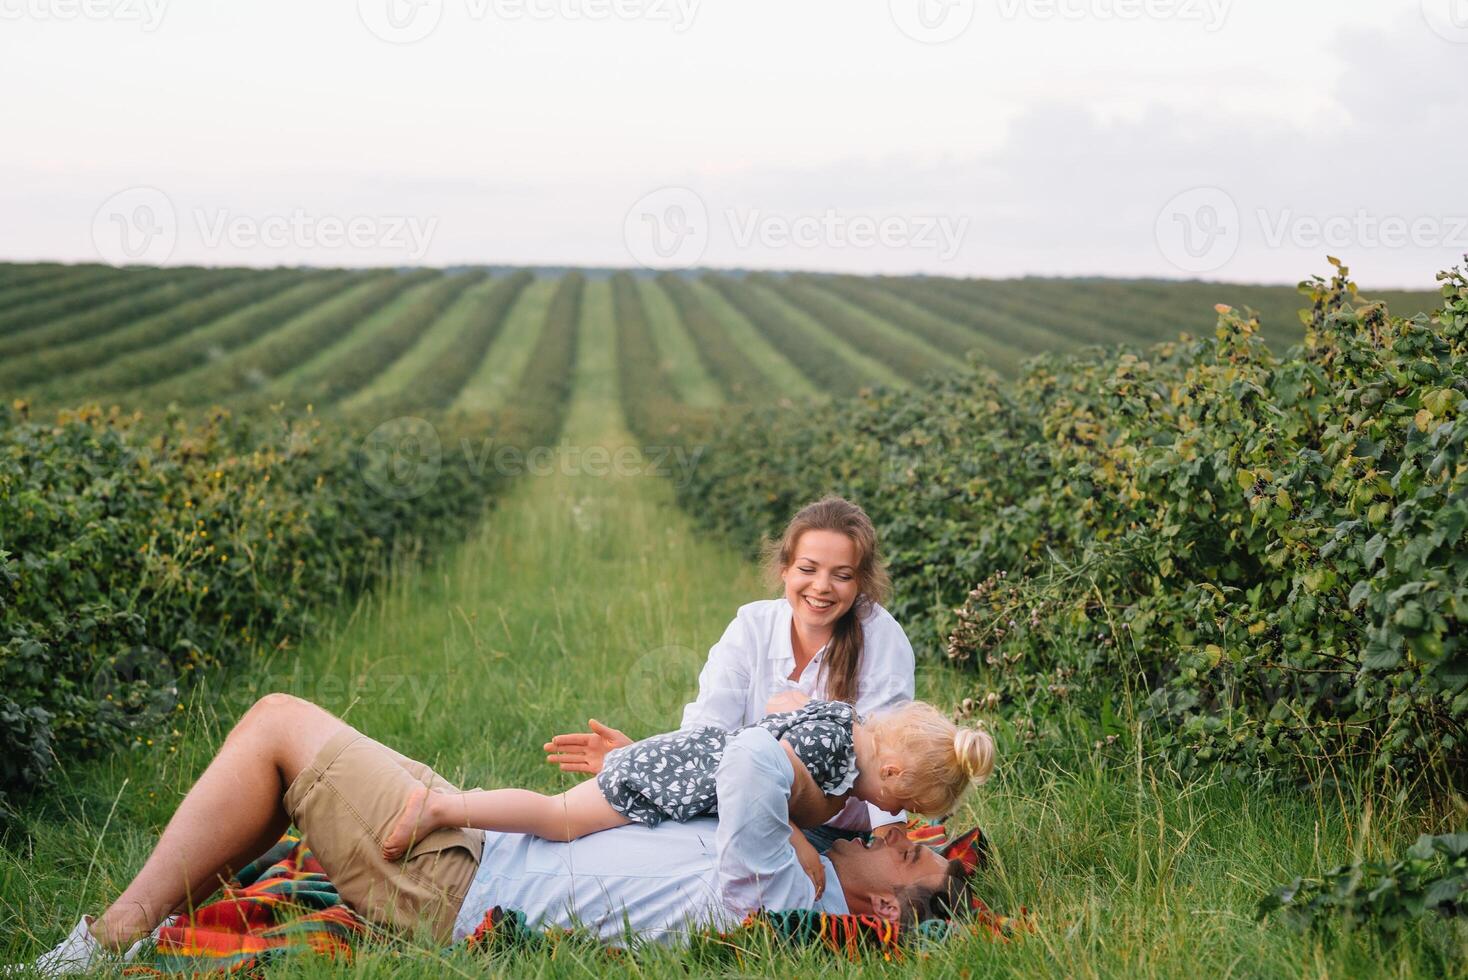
{"points": [[908, 757]]}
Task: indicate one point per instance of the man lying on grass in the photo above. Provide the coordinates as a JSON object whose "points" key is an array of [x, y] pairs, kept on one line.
{"points": [[291, 762]]}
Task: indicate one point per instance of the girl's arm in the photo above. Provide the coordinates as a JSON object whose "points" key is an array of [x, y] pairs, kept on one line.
{"points": [[810, 859], [809, 807]]}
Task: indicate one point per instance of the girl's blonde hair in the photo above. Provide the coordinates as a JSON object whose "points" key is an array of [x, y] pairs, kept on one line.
{"points": [[939, 760], [843, 657]]}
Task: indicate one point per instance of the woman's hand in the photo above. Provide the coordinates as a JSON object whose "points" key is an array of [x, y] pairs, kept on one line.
{"points": [[786, 701], [584, 751]]}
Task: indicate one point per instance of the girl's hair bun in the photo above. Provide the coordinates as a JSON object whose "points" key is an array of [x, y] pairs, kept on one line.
{"points": [[975, 750]]}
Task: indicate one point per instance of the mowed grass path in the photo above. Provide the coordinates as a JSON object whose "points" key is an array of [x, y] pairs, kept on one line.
{"points": [[586, 593]]}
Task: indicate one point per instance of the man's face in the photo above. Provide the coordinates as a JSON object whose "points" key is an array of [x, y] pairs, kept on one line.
{"points": [[872, 873]]}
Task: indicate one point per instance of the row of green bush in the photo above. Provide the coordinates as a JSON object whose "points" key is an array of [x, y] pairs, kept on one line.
{"points": [[808, 352], [649, 400], [439, 381], [907, 359], [136, 552], [1266, 550], [740, 378], [140, 374], [209, 301], [79, 317], [28, 287], [330, 379]]}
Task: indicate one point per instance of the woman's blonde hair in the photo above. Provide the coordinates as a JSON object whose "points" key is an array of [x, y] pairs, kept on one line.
{"points": [[842, 663], [939, 760]]}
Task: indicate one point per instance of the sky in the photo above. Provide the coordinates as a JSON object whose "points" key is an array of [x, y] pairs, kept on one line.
{"points": [[1239, 140]]}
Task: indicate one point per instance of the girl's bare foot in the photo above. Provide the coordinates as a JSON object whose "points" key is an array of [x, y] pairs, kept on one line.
{"points": [[411, 826]]}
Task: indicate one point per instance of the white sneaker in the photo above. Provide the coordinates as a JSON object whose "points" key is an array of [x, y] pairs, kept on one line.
{"points": [[77, 953], [149, 941]]}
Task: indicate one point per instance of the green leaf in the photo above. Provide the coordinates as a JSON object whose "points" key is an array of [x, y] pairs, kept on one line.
{"points": [[1373, 551]]}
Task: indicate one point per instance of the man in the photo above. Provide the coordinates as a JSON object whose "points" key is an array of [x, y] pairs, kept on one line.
{"points": [[289, 761]]}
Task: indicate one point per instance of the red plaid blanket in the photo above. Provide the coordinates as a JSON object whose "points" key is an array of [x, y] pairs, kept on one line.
{"points": [[283, 904]]}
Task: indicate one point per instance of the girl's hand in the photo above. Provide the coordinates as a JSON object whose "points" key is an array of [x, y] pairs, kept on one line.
{"points": [[810, 860], [786, 701], [584, 751]]}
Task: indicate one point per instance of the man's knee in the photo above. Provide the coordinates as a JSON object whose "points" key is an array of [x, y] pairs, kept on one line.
{"points": [[273, 708]]}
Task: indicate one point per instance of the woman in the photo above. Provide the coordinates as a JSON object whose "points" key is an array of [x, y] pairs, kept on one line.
{"points": [[827, 636]]}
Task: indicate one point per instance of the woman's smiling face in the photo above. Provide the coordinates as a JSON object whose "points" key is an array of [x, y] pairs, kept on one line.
{"points": [[820, 581]]}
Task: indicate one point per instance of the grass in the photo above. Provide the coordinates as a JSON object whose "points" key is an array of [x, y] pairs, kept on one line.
{"points": [[679, 355], [863, 366], [439, 336], [786, 378], [505, 361], [589, 594]]}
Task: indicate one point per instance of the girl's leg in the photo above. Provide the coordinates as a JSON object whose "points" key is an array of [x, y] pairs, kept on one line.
{"points": [[575, 813], [231, 816]]}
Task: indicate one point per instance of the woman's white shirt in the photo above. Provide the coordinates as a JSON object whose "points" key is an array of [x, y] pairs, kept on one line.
{"points": [[753, 660]]}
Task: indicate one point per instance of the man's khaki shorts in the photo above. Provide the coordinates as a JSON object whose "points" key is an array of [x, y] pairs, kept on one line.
{"points": [[346, 801]]}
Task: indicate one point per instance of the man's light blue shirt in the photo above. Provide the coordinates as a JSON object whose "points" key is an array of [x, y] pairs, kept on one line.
{"points": [[655, 883]]}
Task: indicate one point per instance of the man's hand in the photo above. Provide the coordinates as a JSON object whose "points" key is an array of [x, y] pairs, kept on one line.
{"points": [[810, 860], [786, 701], [584, 751]]}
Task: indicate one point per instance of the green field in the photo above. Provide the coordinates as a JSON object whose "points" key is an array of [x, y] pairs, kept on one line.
{"points": [[583, 594], [244, 338]]}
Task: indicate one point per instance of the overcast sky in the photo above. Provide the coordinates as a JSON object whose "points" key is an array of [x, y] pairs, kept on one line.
{"points": [[1223, 139]]}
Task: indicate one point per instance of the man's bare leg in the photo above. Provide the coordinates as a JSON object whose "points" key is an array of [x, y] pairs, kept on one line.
{"points": [[231, 816]]}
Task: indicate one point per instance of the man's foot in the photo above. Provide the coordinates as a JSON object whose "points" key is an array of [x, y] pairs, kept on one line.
{"points": [[77, 953], [411, 825]]}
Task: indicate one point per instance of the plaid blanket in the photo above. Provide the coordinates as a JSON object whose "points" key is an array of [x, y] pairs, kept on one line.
{"points": [[283, 904]]}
